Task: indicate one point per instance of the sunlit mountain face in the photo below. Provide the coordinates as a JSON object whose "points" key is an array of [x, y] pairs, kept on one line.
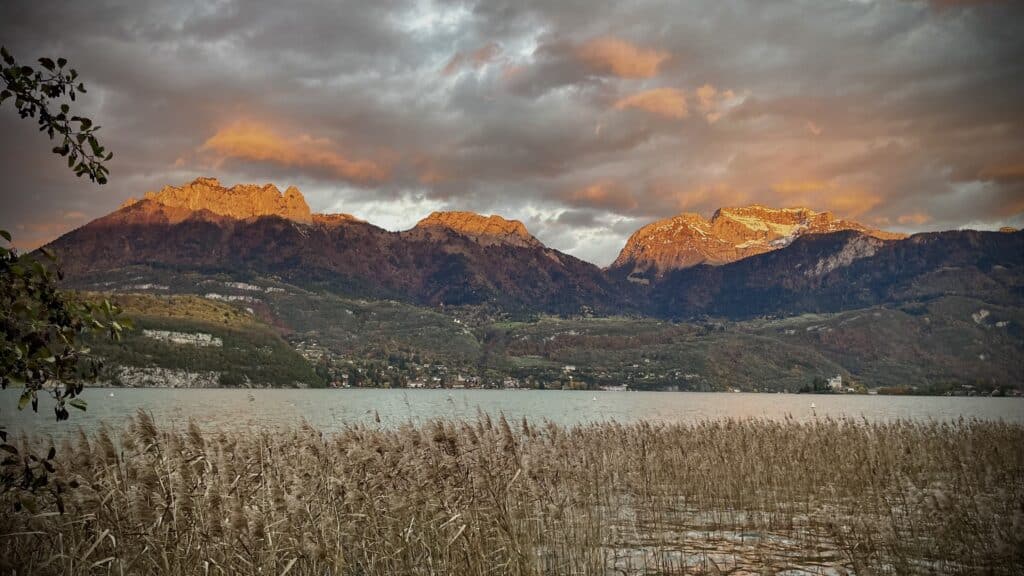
{"points": [[744, 262], [584, 125]]}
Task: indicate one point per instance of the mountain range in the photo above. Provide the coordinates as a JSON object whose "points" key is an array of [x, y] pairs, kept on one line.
{"points": [[743, 262], [753, 298], [732, 234]]}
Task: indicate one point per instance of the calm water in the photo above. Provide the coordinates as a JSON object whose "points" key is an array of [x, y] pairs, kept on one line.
{"points": [[331, 409]]}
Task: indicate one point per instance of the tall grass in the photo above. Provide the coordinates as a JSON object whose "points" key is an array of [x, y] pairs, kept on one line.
{"points": [[493, 497]]}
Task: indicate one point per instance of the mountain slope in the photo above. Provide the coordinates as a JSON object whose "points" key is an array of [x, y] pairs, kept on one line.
{"points": [[459, 258], [848, 270], [732, 234], [935, 311], [426, 265]]}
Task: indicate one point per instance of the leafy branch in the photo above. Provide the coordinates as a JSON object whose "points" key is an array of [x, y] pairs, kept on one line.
{"points": [[36, 94], [41, 350], [41, 327]]}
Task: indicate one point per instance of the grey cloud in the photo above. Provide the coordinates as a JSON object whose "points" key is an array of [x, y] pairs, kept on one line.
{"points": [[894, 110]]}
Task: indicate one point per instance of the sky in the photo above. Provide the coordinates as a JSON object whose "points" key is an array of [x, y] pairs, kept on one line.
{"points": [[584, 119]]}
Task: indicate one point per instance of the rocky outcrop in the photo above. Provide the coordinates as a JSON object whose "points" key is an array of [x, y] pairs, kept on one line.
{"points": [[730, 235], [242, 201], [485, 230], [857, 247]]}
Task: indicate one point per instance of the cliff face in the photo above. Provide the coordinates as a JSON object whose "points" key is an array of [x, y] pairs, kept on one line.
{"points": [[485, 230], [241, 201], [730, 235]]}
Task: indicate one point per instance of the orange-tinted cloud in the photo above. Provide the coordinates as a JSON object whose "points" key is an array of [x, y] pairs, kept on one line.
{"points": [[603, 195], [791, 187], [917, 218], [852, 203], [669, 196], [714, 103], [430, 170], [1003, 172], [821, 194], [258, 142], [617, 57], [667, 102], [31, 235]]}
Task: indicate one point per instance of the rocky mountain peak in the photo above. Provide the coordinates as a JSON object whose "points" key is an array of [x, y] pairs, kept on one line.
{"points": [[731, 234], [487, 230], [241, 201]]}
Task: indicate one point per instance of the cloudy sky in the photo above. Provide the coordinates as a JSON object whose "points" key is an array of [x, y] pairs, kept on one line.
{"points": [[584, 119]]}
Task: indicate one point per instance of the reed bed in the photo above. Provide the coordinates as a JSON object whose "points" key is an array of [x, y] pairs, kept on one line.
{"points": [[493, 497]]}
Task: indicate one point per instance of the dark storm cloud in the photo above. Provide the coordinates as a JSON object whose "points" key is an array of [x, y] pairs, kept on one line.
{"points": [[585, 122]]}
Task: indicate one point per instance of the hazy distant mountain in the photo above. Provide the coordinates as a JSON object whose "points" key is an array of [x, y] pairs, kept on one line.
{"points": [[732, 234]]}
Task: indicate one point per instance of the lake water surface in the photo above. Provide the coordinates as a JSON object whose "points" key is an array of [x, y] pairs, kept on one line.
{"points": [[330, 410]]}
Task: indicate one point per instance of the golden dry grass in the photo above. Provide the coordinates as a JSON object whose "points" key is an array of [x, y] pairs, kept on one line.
{"points": [[490, 497]]}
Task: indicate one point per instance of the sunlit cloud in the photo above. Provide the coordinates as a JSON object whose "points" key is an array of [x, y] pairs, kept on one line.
{"points": [[846, 201], [883, 110], [429, 171], [714, 103], [253, 141], [617, 57], [603, 195], [31, 235], [1004, 172], [791, 187], [917, 219], [667, 102]]}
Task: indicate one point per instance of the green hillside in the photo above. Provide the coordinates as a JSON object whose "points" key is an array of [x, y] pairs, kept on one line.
{"points": [[280, 334], [251, 353]]}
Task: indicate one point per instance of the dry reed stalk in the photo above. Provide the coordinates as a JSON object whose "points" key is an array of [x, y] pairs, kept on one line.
{"points": [[484, 497]]}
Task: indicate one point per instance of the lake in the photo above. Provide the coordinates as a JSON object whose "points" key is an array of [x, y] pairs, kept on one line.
{"points": [[330, 410]]}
